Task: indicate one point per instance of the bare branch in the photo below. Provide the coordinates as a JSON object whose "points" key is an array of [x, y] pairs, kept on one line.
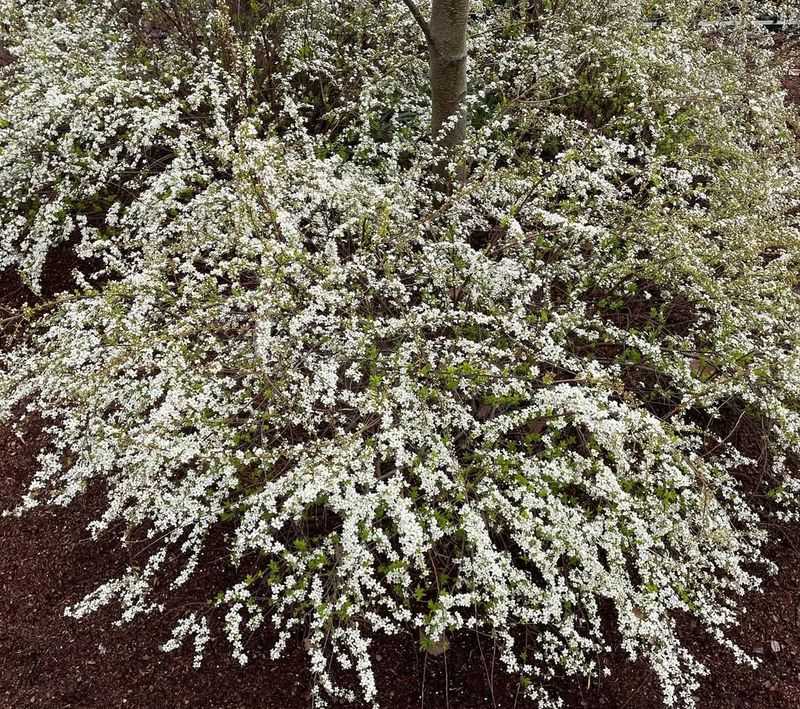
{"points": [[414, 10]]}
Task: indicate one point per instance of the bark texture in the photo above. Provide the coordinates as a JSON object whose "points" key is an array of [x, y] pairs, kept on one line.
{"points": [[448, 66]]}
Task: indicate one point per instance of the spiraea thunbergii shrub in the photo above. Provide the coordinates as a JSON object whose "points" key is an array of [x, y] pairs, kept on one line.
{"points": [[503, 408]]}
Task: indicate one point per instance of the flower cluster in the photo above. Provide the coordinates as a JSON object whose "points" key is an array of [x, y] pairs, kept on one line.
{"points": [[506, 408]]}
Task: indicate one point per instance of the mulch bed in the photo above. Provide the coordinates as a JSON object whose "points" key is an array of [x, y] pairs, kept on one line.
{"points": [[48, 561]]}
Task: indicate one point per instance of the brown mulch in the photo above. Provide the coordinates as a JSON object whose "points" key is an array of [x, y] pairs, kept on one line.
{"points": [[48, 561], [47, 661]]}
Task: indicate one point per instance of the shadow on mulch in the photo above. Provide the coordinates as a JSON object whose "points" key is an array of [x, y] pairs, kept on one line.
{"points": [[47, 661], [48, 562]]}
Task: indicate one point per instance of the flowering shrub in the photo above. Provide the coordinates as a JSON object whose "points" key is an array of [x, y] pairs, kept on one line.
{"points": [[504, 408]]}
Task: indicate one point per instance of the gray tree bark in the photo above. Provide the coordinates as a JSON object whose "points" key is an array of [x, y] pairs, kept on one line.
{"points": [[446, 34], [448, 72]]}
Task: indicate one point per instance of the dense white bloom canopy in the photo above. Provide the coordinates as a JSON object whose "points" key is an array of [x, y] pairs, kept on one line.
{"points": [[511, 407]]}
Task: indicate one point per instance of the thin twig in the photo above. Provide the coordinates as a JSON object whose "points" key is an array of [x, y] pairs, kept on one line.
{"points": [[422, 690], [446, 684]]}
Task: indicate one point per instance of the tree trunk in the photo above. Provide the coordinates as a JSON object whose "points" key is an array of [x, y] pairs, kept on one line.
{"points": [[448, 68]]}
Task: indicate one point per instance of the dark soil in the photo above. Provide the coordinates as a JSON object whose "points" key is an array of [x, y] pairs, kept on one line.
{"points": [[48, 561], [48, 661]]}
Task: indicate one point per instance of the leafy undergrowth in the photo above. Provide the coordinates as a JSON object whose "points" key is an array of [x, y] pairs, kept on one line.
{"points": [[513, 411]]}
